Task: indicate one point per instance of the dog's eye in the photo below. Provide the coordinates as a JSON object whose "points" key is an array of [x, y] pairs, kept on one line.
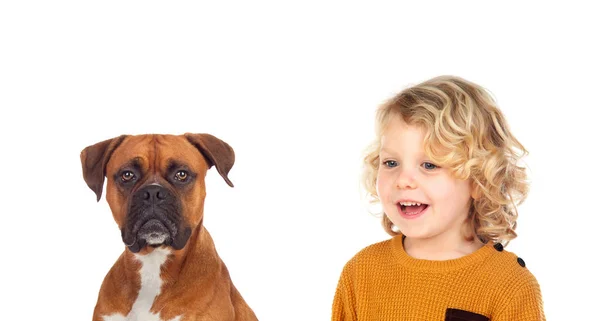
{"points": [[182, 176], [127, 176]]}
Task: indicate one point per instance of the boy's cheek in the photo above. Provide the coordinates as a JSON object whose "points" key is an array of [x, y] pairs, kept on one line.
{"points": [[381, 187]]}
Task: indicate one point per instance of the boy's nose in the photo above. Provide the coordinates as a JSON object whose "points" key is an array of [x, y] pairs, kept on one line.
{"points": [[406, 180]]}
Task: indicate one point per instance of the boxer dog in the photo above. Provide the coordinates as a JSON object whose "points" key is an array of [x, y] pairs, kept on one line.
{"points": [[170, 270]]}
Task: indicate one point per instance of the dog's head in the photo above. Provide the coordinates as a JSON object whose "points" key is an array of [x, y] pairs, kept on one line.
{"points": [[155, 183]]}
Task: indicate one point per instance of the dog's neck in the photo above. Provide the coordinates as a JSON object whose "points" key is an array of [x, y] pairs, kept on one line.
{"points": [[150, 287], [198, 249], [154, 271]]}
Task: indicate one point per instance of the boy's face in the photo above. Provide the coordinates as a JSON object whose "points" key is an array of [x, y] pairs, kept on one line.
{"points": [[406, 176]]}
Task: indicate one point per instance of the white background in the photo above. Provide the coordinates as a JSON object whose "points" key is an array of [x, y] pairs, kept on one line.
{"points": [[292, 87]]}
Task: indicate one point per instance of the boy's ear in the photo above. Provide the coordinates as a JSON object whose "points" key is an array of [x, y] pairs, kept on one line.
{"points": [[475, 190]]}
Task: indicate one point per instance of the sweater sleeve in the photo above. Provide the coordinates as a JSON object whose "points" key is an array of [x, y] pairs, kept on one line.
{"points": [[343, 301], [525, 305]]}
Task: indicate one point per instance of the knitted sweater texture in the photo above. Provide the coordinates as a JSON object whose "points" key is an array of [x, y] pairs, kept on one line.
{"points": [[382, 282]]}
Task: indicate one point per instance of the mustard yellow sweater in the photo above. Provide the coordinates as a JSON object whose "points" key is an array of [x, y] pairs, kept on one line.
{"points": [[382, 282]]}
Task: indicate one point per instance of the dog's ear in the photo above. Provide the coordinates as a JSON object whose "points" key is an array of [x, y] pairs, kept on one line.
{"points": [[215, 151], [93, 162]]}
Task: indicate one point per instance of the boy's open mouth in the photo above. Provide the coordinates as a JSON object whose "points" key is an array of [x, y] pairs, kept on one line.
{"points": [[409, 208]]}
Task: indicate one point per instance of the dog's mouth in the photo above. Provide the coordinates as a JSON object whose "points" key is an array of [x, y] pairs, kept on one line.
{"points": [[154, 233]]}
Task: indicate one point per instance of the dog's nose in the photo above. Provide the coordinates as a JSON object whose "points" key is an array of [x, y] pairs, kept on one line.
{"points": [[153, 194]]}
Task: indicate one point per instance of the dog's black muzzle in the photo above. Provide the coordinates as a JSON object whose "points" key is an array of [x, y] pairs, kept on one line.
{"points": [[154, 218]]}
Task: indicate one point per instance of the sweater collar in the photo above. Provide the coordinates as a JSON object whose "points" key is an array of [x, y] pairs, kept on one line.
{"points": [[408, 261]]}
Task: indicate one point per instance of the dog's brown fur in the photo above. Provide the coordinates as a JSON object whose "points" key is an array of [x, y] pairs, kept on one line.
{"points": [[196, 283]]}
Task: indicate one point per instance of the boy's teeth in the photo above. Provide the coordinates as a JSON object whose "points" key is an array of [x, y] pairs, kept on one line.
{"points": [[410, 204]]}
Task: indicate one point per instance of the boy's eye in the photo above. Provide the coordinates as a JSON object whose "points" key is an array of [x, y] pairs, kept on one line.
{"points": [[390, 163], [429, 166]]}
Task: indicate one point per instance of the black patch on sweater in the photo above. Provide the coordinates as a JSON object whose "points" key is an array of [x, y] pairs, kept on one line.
{"points": [[462, 315]]}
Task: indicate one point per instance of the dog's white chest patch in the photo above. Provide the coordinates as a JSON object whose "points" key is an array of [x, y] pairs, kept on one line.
{"points": [[150, 289]]}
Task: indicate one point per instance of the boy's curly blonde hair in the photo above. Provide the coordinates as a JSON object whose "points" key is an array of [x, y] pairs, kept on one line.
{"points": [[466, 133]]}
